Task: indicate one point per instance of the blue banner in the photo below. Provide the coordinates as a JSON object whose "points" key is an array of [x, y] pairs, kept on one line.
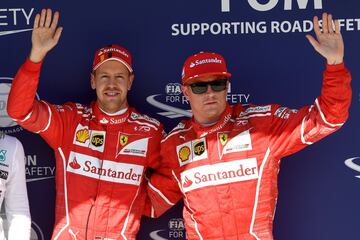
{"points": [[269, 57]]}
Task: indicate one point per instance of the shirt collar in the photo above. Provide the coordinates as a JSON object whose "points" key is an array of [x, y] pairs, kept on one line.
{"points": [[106, 119], [202, 131]]}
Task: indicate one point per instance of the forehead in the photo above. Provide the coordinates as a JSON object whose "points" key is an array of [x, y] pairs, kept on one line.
{"points": [[112, 66], [204, 79]]}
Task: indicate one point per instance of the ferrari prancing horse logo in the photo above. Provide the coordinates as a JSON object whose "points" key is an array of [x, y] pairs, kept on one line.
{"points": [[123, 140], [223, 137]]}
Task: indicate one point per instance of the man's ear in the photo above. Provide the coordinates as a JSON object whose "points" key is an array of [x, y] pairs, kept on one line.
{"points": [[92, 81], [185, 91]]}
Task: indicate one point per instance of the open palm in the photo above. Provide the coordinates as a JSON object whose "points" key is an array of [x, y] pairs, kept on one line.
{"points": [[45, 34], [329, 42]]}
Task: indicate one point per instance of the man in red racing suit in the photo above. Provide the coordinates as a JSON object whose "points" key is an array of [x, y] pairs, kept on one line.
{"points": [[224, 161], [101, 151]]}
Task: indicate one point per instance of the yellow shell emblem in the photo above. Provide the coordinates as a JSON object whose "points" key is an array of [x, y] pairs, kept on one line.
{"points": [[82, 135], [184, 153]]}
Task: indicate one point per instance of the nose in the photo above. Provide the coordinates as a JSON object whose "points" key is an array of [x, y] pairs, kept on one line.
{"points": [[209, 89], [112, 81]]}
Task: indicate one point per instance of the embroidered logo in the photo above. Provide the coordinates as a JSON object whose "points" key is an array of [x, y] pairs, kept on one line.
{"points": [[2, 155]]}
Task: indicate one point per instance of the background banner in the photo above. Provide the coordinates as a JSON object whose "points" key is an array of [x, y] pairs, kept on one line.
{"points": [[271, 61]]}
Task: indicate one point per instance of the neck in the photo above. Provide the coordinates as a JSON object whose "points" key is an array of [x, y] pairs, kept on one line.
{"points": [[207, 123], [121, 111]]}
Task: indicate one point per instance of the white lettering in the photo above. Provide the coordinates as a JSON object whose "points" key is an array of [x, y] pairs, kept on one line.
{"points": [[14, 10], [255, 4], [224, 28], [27, 16], [14, 16], [204, 28], [263, 7], [3, 17], [225, 5], [175, 29], [30, 160], [302, 4], [40, 171]]}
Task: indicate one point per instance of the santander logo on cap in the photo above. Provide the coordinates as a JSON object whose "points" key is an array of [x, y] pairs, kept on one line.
{"points": [[204, 61], [102, 51], [204, 64], [112, 52]]}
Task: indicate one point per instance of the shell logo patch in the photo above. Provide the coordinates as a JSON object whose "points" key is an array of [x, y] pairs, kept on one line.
{"points": [[82, 135], [192, 151], [184, 153]]}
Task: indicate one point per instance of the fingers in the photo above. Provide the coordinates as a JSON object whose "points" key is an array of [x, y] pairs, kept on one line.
{"points": [[325, 23], [316, 26], [48, 17], [42, 17], [337, 26], [36, 21], [330, 24], [55, 20], [58, 34], [313, 42]]}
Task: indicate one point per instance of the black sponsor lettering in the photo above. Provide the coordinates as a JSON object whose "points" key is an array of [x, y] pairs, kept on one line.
{"points": [[4, 174], [97, 140], [199, 148]]}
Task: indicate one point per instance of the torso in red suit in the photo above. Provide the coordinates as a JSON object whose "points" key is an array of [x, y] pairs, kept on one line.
{"points": [[100, 160], [227, 173]]}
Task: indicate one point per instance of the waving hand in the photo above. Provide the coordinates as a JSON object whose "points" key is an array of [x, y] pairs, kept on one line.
{"points": [[329, 43], [45, 34]]}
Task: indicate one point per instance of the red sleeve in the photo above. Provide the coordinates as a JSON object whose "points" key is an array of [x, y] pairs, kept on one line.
{"points": [[34, 115], [292, 130], [154, 148], [163, 189]]}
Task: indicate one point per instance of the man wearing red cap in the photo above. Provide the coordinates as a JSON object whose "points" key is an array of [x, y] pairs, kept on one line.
{"points": [[224, 161], [101, 150]]}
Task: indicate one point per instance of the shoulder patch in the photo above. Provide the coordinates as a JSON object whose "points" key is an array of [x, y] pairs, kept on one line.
{"points": [[136, 116], [82, 109], [177, 130], [179, 126], [284, 112], [257, 109]]}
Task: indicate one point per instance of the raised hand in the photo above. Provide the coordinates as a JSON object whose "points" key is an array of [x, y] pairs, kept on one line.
{"points": [[45, 34], [329, 43]]}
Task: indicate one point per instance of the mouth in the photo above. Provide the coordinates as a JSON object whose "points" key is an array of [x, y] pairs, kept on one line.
{"points": [[209, 102], [111, 94]]}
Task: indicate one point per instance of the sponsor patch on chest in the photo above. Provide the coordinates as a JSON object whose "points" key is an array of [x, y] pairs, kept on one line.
{"points": [[191, 151], [93, 139], [238, 143], [221, 173], [105, 170], [127, 145]]}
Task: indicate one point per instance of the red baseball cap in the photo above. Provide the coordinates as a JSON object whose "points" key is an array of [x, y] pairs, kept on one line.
{"points": [[204, 64], [112, 52]]}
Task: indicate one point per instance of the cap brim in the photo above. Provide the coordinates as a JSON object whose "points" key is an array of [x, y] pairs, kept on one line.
{"points": [[195, 78], [114, 59]]}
